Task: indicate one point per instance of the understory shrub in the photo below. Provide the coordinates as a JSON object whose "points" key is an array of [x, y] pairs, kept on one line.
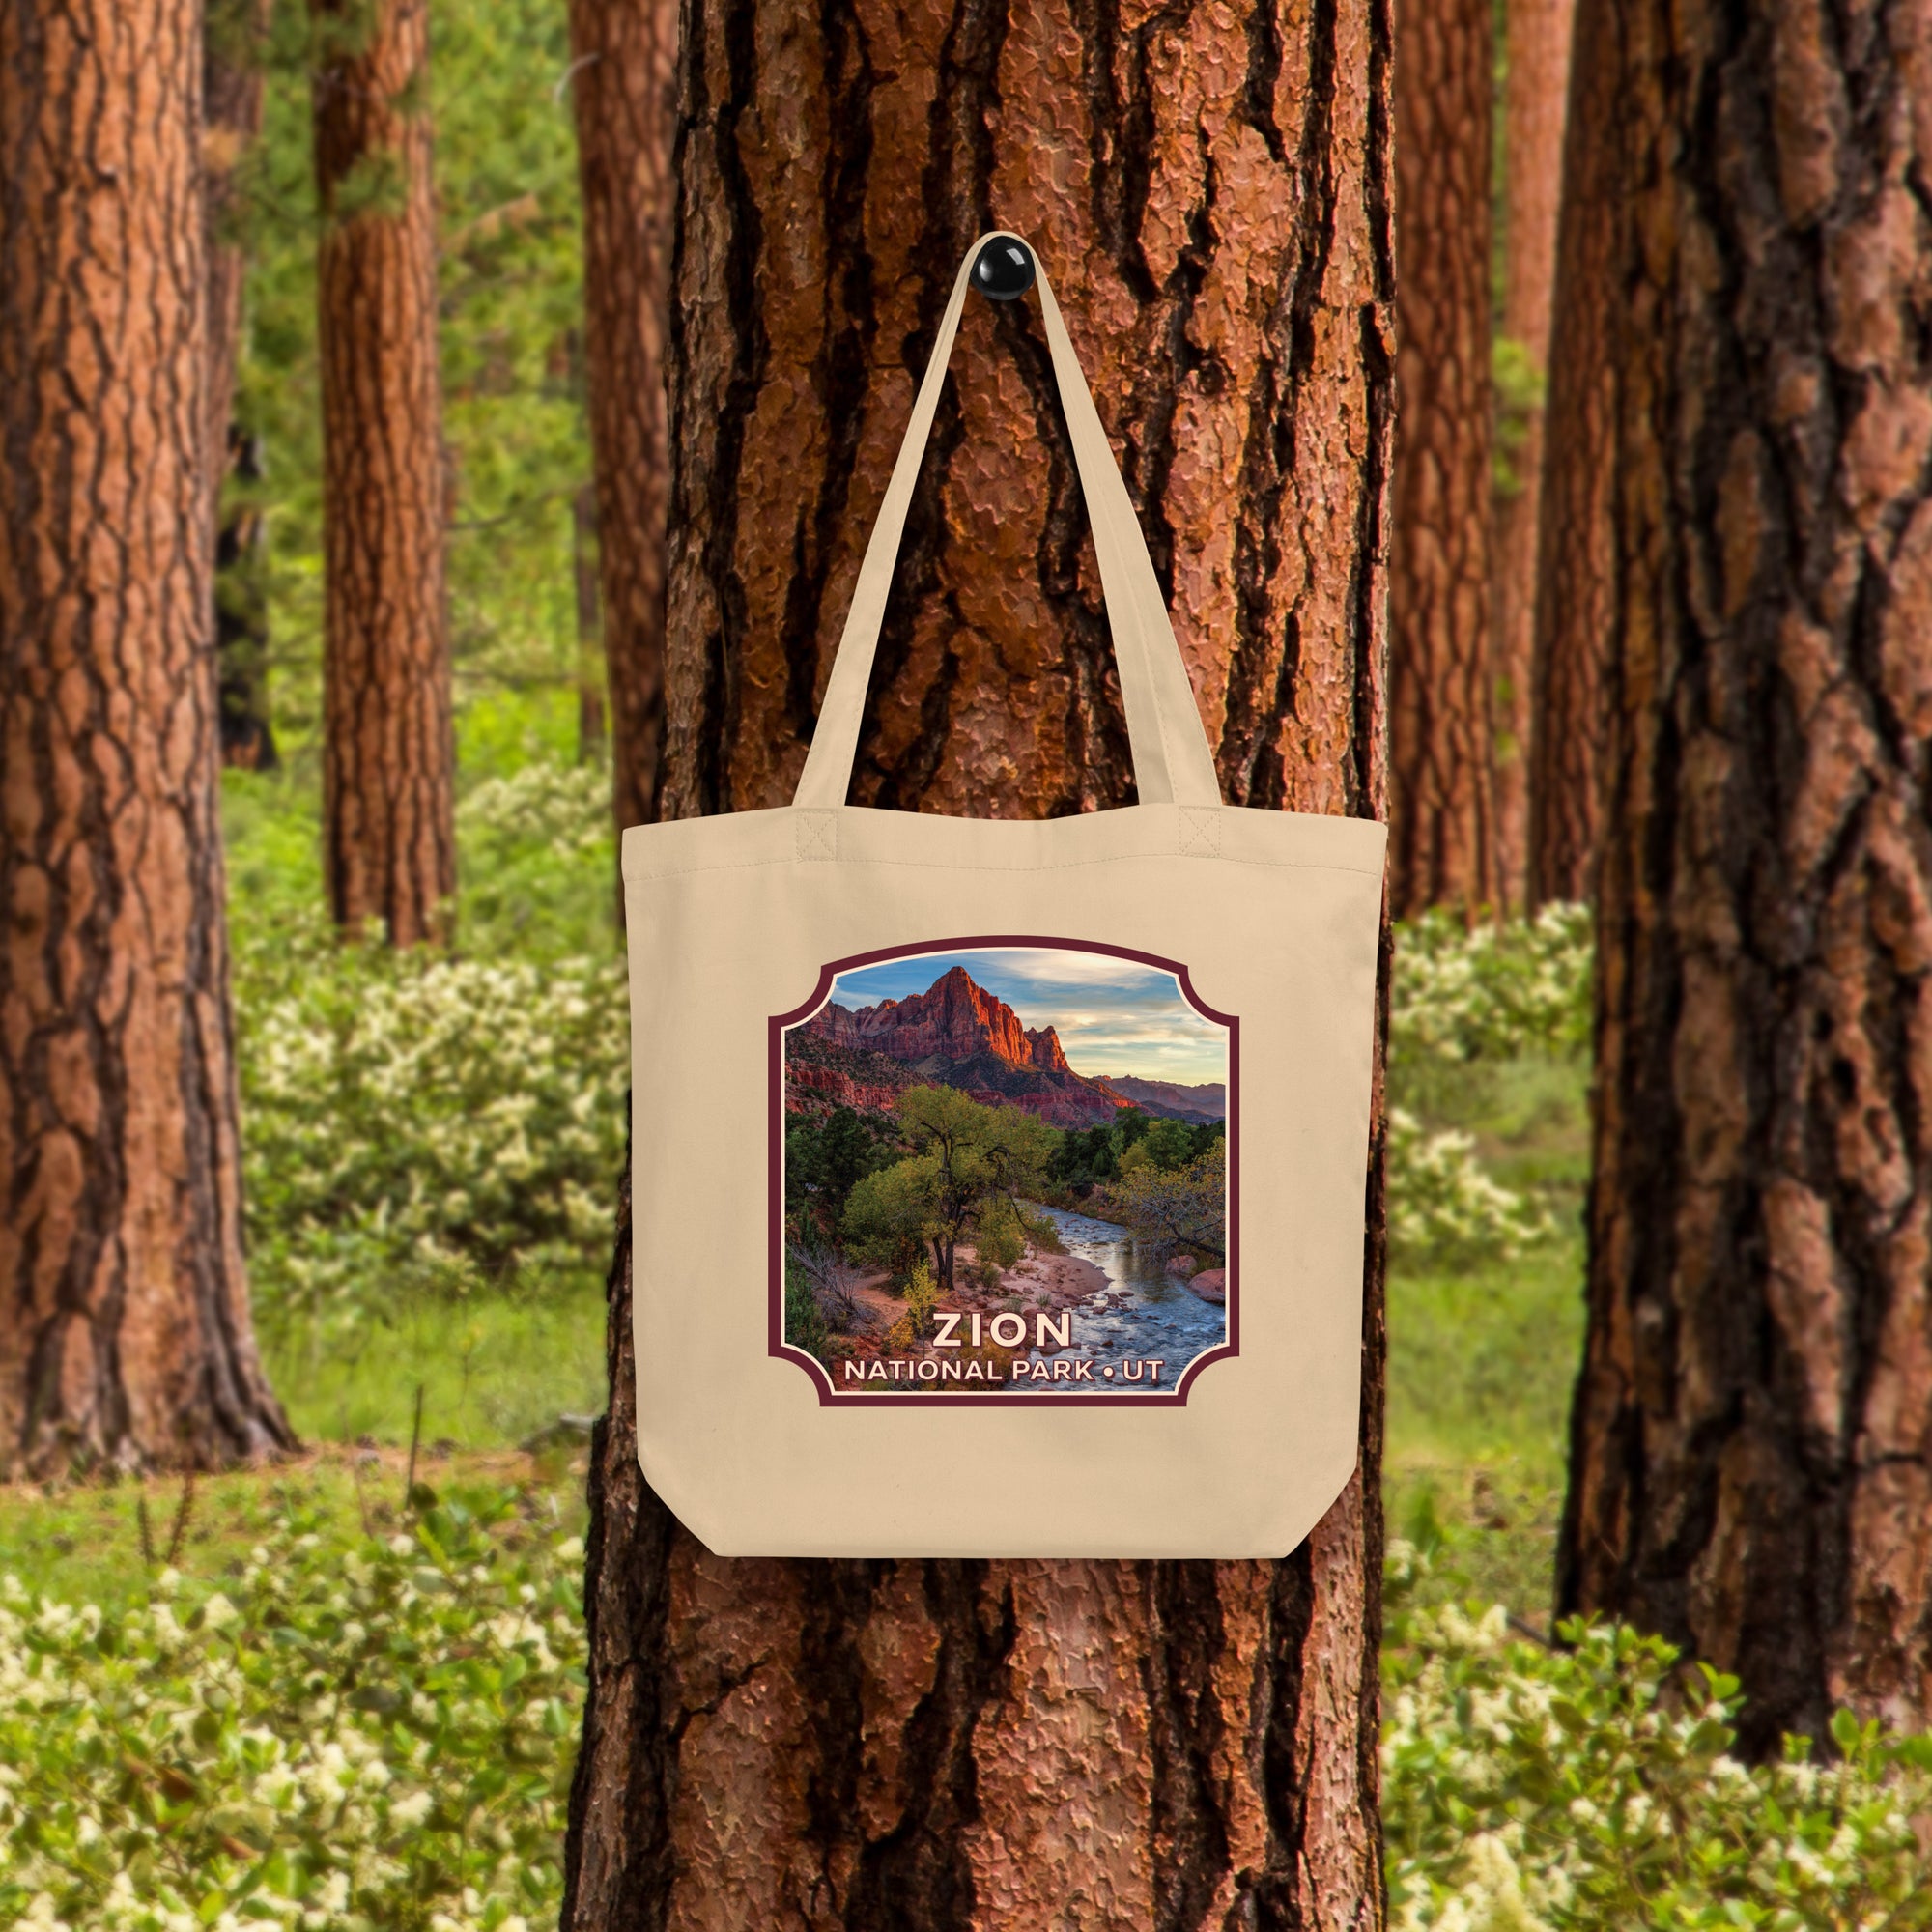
{"points": [[1495, 991], [357, 1732], [418, 1121], [1590, 1788], [1442, 1204], [1463, 1002]]}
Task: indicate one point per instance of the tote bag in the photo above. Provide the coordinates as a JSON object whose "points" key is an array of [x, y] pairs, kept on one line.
{"points": [[886, 1064]]}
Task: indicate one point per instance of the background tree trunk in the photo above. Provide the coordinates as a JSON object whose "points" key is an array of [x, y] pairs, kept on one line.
{"points": [[591, 734], [624, 58], [1575, 543], [928, 1745], [1534, 94], [1750, 1462], [234, 54], [1442, 828], [242, 616], [125, 1338], [388, 803], [233, 60]]}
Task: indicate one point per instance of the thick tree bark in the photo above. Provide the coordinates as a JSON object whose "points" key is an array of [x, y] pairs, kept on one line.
{"points": [[389, 797], [1011, 1745], [125, 1337], [1534, 94], [1751, 1468], [1575, 543], [623, 59], [1442, 827]]}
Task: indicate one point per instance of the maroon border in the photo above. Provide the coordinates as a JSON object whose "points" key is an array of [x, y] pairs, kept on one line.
{"points": [[828, 1396]]}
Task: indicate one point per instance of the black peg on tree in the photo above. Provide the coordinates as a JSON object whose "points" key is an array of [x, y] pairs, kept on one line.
{"points": [[1004, 269]]}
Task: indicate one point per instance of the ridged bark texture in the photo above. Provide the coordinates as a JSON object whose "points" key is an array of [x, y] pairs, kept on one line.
{"points": [[624, 60], [389, 795], [1575, 542], [1534, 92], [1442, 827], [1751, 1468], [125, 1338], [917, 1746]]}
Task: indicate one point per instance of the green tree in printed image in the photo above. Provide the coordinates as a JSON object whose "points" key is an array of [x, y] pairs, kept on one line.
{"points": [[1187, 1203], [969, 1167]]}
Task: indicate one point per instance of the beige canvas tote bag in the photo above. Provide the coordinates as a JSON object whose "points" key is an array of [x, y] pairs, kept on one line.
{"points": [[998, 1185]]}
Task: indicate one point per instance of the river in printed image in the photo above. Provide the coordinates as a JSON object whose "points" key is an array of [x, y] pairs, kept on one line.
{"points": [[1149, 1313]]}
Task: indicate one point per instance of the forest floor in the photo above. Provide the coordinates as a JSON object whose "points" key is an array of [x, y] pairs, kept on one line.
{"points": [[1480, 1364]]}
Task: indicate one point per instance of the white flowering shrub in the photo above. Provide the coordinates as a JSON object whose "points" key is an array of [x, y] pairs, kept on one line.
{"points": [[1494, 992], [415, 1121], [1464, 1001], [538, 863], [346, 1737], [1590, 1788], [1442, 1204]]}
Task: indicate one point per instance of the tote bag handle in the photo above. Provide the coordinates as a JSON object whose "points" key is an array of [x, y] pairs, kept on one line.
{"points": [[1173, 764]]}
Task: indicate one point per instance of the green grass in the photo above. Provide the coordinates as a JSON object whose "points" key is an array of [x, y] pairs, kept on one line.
{"points": [[1482, 1360], [82, 1541], [494, 1370]]}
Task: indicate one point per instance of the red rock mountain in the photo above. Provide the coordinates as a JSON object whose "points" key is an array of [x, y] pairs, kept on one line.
{"points": [[957, 1033]]}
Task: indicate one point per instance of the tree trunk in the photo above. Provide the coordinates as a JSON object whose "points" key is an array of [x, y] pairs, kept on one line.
{"points": [[234, 54], [591, 736], [242, 617], [1575, 550], [1750, 1466], [1442, 827], [623, 64], [1011, 1745], [124, 1336], [1538, 36], [388, 806], [232, 69]]}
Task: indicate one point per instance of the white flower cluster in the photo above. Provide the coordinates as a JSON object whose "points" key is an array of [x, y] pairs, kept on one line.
{"points": [[335, 1744], [563, 810], [1491, 991], [425, 1120], [1593, 1786], [1442, 1201]]}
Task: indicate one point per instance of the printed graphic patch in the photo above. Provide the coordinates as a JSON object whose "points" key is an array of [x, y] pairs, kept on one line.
{"points": [[1005, 1170]]}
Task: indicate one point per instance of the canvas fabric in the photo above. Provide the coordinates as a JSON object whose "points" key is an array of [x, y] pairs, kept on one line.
{"points": [[779, 962]]}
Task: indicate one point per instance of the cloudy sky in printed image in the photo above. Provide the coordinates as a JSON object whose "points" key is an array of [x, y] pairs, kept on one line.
{"points": [[1115, 1017]]}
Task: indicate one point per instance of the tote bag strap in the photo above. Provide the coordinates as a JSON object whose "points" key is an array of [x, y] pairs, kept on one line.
{"points": [[1173, 764]]}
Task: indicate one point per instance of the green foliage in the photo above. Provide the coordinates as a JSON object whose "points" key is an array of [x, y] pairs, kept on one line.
{"points": [[1186, 1205], [969, 1164], [922, 1296], [1169, 1146], [805, 1323], [539, 864], [1443, 1206], [1467, 1006], [1517, 383], [825, 1160], [413, 1122], [1590, 1789], [1490, 992], [352, 1732], [509, 304]]}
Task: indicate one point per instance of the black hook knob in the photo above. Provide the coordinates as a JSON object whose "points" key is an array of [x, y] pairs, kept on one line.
{"points": [[1003, 271]]}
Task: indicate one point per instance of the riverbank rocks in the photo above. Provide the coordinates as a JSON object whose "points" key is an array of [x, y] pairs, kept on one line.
{"points": [[1182, 1264], [1211, 1285]]}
